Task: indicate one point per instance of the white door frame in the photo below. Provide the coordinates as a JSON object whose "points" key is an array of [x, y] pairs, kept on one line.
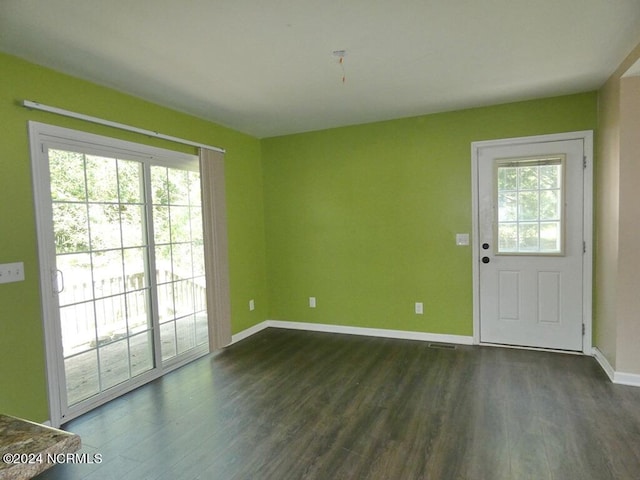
{"points": [[587, 259]]}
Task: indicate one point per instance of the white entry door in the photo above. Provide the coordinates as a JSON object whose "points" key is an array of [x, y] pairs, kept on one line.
{"points": [[531, 241]]}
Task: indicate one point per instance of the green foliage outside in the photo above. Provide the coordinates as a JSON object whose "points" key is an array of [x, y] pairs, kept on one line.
{"points": [[99, 205]]}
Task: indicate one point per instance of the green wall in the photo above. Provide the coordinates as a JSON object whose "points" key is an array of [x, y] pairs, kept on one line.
{"points": [[22, 368], [364, 217]]}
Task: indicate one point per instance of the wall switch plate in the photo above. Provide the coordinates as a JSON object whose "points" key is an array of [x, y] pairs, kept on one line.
{"points": [[12, 272], [419, 308], [462, 239], [312, 302], [252, 305]]}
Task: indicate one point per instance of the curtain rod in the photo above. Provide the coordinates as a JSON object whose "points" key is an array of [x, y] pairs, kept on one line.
{"points": [[121, 126]]}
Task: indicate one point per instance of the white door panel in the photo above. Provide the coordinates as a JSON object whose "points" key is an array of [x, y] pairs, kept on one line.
{"points": [[530, 228]]}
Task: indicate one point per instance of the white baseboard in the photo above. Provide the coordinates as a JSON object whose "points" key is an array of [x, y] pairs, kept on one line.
{"points": [[248, 332], [368, 332], [632, 379], [621, 378], [604, 363]]}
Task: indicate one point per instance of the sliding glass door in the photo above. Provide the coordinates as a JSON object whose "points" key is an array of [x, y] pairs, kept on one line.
{"points": [[121, 233]]}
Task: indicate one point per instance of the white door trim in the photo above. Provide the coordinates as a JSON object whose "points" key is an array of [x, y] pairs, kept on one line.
{"points": [[587, 260]]}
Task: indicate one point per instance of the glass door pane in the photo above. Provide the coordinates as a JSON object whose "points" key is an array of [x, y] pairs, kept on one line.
{"points": [[102, 257], [529, 214], [179, 259]]}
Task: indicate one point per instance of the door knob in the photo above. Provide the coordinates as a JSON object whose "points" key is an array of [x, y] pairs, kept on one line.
{"points": [[485, 260]]}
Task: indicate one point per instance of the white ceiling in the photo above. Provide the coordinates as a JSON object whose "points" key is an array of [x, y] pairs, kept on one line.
{"points": [[266, 67]]}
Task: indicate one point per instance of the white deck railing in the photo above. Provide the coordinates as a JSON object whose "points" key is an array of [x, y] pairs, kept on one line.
{"points": [[112, 308]]}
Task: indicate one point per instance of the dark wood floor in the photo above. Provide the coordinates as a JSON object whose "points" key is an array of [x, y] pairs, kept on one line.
{"points": [[302, 405]]}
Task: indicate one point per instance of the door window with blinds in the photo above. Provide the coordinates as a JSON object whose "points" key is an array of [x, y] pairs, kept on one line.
{"points": [[529, 200]]}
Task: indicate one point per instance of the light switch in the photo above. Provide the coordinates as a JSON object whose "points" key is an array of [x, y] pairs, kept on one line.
{"points": [[12, 272], [312, 302], [462, 239], [252, 305]]}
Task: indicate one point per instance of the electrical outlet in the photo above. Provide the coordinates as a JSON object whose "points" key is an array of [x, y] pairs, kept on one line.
{"points": [[252, 305], [312, 302], [419, 308], [11, 272]]}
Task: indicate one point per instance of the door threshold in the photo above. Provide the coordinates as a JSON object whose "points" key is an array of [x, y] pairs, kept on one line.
{"points": [[536, 349]]}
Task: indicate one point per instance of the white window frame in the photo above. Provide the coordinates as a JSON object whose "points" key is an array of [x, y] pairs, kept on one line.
{"points": [[501, 162]]}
